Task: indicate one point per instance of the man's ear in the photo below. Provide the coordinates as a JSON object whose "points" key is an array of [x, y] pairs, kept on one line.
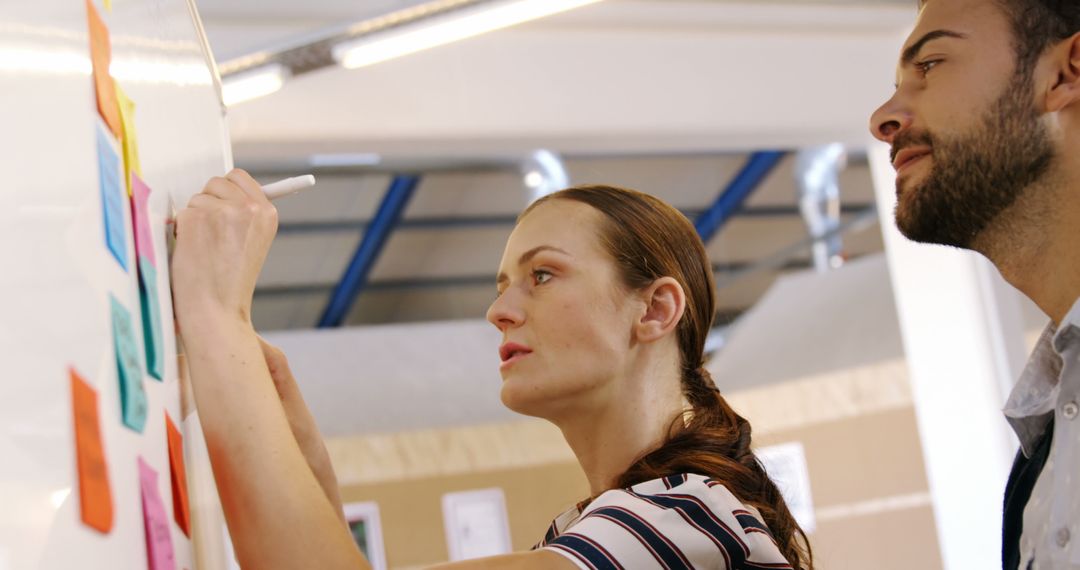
{"points": [[665, 302], [1064, 62]]}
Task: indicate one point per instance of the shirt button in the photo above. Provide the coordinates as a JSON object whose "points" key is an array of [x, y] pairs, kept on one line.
{"points": [[1062, 537], [1070, 410]]}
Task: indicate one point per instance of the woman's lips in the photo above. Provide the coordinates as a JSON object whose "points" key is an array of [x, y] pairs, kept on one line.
{"points": [[512, 352], [513, 360]]}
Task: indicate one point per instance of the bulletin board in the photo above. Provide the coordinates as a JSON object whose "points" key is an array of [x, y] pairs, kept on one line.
{"points": [[112, 117]]}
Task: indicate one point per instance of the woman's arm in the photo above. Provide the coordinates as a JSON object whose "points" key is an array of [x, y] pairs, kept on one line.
{"points": [[532, 560], [302, 424], [277, 512]]}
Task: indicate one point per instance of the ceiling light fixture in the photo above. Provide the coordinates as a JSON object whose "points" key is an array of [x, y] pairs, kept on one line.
{"points": [[441, 30], [251, 84]]}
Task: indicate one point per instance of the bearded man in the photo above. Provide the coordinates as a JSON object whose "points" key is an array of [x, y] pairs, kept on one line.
{"points": [[985, 133]]}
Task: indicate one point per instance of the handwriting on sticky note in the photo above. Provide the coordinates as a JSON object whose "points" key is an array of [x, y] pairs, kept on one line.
{"points": [[130, 139], [111, 197], [140, 213], [132, 393], [178, 476], [95, 496], [159, 547], [100, 58]]}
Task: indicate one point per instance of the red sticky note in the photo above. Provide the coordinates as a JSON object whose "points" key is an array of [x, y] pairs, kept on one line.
{"points": [[159, 547], [95, 497], [101, 57], [179, 476]]}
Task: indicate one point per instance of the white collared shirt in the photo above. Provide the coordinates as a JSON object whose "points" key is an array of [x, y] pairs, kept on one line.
{"points": [[1051, 384]]}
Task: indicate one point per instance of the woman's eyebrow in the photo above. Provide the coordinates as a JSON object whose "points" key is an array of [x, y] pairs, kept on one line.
{"points": [[527, 256]]}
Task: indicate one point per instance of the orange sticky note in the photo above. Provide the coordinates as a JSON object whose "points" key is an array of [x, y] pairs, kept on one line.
{"points": [[95, 498], [101, 57], [179, 477]]}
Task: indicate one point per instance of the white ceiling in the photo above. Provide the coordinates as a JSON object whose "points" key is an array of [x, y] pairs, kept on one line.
{"points": [[666, 96]]}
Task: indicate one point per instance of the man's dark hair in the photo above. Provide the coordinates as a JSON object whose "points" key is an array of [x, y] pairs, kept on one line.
{"points": [[1037, 25]]}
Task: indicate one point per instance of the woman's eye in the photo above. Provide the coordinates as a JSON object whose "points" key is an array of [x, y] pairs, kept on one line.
{"points": [[540, 276]]}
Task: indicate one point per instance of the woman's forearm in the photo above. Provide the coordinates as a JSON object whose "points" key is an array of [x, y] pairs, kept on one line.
{"points": [[279, 514]]}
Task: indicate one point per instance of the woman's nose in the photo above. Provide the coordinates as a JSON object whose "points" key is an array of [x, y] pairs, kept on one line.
{"points": [[505, 312]]}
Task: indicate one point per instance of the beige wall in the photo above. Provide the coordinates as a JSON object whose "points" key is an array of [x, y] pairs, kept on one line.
{"points": [[412, 517], [869, 488]]}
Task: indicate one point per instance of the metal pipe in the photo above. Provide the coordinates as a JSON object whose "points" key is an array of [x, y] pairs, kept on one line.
{"points": [[817, 174]]}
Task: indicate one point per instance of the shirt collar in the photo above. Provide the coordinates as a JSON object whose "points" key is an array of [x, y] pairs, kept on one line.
{"points": [[1034, 397]]}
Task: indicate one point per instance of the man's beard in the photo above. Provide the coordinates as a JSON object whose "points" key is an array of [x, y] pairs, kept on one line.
{"points": [[975, 176]]}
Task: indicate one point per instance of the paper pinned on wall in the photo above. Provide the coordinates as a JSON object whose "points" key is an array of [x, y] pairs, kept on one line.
{"points": [[95, 496], [133, 402], [130, 139], [101, 57], [476, 524], [178, 476], [111, 197], [159, 547]]}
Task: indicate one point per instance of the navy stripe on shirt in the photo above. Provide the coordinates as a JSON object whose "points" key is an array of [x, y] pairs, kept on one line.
{"points": [[700, 517], [586, 550], [662, 549]]}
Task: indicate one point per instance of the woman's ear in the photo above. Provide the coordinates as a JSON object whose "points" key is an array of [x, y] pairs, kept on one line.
{"points": [[1065, 66], [665, 303]]}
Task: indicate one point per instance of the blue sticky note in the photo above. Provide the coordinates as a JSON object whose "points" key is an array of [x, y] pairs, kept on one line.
{"points": [[112, 196], [129, 367], [151, 318]]}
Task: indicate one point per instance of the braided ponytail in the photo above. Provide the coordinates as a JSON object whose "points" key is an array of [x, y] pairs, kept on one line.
{"points": [[649, 239], [715, 441]]}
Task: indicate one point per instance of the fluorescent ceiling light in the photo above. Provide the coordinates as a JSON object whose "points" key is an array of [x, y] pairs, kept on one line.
{"points": [[251, 84], [452, 27]]}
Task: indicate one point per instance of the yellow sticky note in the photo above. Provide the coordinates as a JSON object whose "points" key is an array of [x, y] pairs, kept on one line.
{"points": [[131, 142], [108, 5]]}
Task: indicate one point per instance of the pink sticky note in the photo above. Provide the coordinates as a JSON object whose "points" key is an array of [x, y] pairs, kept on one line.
{"points": [[159, 548], [140, 210]]}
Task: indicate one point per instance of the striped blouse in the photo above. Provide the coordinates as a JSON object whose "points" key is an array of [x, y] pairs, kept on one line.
{"points": [[679, 521]]}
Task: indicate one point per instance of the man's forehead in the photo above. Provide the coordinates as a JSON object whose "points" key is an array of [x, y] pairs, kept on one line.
{"points": [[965, 16]]}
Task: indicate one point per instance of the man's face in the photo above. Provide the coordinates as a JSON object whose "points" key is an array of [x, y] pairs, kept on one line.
{"points": [[966, 137]]}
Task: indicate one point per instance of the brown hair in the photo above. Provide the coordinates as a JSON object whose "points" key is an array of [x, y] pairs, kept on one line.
{"points": [[649, 239]]}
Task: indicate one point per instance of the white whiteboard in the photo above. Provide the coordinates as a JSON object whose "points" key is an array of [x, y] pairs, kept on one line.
{"points": [[56, 273]]}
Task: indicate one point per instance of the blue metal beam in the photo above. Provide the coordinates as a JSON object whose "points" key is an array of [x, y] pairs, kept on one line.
{"points": [[367, 253], [759, 165]]}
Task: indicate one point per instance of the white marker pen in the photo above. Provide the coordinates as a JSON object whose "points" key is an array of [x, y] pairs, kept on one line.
{"points": [[288, 186]]}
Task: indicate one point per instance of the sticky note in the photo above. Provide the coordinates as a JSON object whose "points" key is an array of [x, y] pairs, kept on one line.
{"points": [[101, 58], [140, 214], [132, 394], [111, 197], [178, 476], [95, 497], [151, 319], [159, 548], [130, 140], [108, 5]]}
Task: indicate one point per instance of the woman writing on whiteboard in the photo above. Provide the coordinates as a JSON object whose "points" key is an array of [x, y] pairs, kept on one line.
{"points": [[605, 297]]}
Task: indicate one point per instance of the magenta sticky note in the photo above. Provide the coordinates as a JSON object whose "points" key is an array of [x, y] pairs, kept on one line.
{"points": [[140, 210], [159, 547]]}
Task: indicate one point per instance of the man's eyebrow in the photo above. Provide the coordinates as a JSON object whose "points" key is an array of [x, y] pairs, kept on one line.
{"points": [[528, 255], [912, 51]]}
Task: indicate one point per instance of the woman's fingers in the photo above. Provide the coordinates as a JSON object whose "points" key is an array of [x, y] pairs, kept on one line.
{"points": [[243, 181]]}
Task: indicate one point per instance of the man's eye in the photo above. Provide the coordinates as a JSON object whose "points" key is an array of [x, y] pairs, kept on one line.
{"points": [[925, 66]]}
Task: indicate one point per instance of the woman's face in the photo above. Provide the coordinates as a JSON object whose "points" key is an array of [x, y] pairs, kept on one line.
{"points": [[565, 318]]}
